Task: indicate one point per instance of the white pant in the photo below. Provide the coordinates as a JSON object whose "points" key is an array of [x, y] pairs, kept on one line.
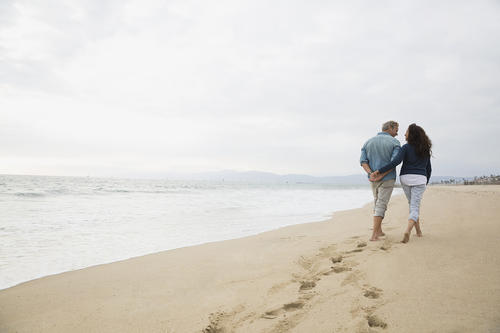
{"points": [[414, 195]]}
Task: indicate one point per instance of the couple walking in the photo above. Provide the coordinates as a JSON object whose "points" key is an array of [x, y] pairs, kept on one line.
{"points": [[379, 157]]}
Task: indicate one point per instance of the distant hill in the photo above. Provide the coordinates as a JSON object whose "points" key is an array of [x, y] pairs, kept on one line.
{"points": [[268, 177]]}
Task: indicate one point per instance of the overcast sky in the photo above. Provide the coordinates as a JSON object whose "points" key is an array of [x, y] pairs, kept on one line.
{"points": [[130, 88]]}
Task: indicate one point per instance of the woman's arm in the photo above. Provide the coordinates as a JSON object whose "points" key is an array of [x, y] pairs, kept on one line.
{"points": [[428, 170], [398, 159]]}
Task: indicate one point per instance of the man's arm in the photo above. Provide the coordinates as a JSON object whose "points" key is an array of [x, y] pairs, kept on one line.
{"points": [[367, 168], [363, 160], [376, 175]]}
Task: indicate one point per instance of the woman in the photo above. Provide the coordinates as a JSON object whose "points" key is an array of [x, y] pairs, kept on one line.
{"points": [[414, 174]]}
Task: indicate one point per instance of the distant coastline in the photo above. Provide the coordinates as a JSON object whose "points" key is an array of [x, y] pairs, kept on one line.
{"points": [[262, 177]]}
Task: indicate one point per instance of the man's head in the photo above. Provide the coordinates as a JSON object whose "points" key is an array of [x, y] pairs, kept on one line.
{"points": [[391, 127]]}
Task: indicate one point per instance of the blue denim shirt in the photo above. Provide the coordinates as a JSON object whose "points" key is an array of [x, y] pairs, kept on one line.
{"points": [[379, 151]]}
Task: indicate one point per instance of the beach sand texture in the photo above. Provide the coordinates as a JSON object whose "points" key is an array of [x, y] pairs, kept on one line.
{"points": [[316, 277]]}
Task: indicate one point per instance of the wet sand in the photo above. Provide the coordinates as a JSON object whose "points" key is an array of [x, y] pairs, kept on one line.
{"points": [[317, 277]]}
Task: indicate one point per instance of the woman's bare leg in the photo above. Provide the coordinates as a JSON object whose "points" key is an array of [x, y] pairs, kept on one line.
{"points": [[417, 228], [406, 237]]}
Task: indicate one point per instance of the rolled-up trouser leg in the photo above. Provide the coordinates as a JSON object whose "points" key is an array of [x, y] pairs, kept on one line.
{"points": [[414, 195], [382, 191]]}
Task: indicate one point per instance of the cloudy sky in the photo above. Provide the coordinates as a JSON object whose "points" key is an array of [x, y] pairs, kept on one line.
{"points": [[130, 88]]}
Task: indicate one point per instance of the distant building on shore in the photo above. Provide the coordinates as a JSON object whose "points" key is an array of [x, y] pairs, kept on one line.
{"points": [[483, 180]]}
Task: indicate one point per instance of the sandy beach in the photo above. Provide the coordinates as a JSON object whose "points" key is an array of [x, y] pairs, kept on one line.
{"points": [[316, 277]]}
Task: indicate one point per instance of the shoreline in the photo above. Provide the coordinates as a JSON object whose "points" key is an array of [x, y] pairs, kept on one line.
{"points": [[284, 280], [63, 265], [180, 248], [168, 250]]}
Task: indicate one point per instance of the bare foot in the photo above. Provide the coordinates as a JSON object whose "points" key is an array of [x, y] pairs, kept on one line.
{"points": [[418, 230], [381, 234], [374, 239], [406, 238]]}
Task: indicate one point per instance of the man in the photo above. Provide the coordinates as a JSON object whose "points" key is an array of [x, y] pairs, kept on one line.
{"points": [[377, 152]]}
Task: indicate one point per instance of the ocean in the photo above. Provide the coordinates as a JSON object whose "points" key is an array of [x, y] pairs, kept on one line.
{"points": [[50, 225]]}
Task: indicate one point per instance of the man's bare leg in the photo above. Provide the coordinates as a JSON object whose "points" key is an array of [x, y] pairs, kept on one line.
{"points": [[417, 228], [377, 228]]}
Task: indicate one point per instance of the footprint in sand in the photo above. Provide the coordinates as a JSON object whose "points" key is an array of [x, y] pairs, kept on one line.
{"points": [[327, 251], [307, 285], [336, 259], [293, 306], [272, 314], [340, 269], [372, 293], [374, 321], [215, 325], [353, 278], [278, 287], [386, 245], [361, 244], [305, 263]]}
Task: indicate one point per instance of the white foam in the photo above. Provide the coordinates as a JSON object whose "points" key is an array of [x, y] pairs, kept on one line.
{"points": [[79, 222]]}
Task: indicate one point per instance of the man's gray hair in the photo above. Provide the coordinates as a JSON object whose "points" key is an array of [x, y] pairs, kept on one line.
{"points": [[389, 124]]}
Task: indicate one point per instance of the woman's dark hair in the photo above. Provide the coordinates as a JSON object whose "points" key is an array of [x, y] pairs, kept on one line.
{"points": [[418, 139]]}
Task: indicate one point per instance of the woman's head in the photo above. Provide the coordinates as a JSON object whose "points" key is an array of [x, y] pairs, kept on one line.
{"points": [[415, 135]]}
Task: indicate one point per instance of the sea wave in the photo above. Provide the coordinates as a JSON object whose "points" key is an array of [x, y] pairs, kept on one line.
{"points": [[54, 224], [30, 194], [100, 191]]}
